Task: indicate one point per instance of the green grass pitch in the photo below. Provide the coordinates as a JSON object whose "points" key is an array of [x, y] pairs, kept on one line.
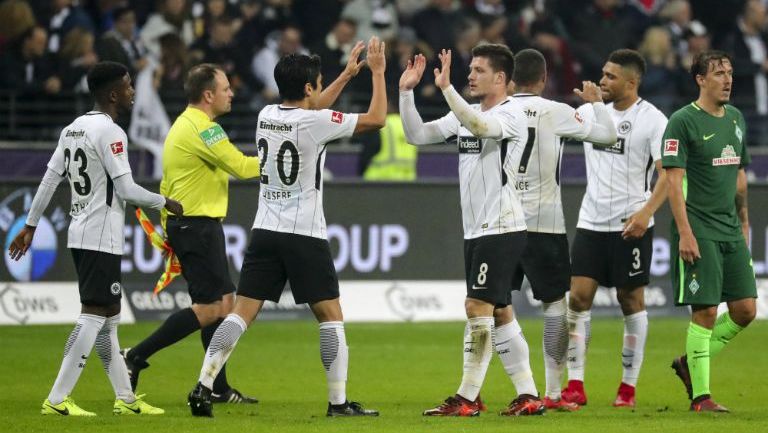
{"points": [[400, 369]]}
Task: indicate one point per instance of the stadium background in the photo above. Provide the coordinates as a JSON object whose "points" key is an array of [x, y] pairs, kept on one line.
{"points": [[397, 245]]}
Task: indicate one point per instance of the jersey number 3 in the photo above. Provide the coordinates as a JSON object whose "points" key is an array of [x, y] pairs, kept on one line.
{"points": [[287, 177], [81, 188]]}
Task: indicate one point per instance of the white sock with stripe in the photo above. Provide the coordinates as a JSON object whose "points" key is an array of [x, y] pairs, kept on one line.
{"points": [[515, 356], [108, 348], [222, 344], [76, 352], [334, 353]]}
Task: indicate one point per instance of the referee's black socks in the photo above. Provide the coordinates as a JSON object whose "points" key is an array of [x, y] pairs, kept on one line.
{"points": [[177, 326]]}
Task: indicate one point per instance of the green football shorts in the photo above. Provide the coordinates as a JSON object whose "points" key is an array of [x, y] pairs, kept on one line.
{"points": [[723, 273]]}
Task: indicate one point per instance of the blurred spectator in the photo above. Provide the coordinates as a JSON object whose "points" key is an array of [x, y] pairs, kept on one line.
{"points": [[269, 16], [122, 44], [373, 17], [25, 67], [207, 12], [219, 47], [172, 17], [484, 8], [278, 44], [16, 17], [316, 18], [334, 49], [401, 50], [174, 63], [75, 58], [598, 31], [66, 16], [697, 41], [562, 75], [659, 83], [469, 36], [748, 45], [495, 29], [436, 25], [677, 15]]}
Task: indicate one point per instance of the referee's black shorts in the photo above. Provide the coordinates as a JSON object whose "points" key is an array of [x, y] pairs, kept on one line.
{"points": [[199, 244]]}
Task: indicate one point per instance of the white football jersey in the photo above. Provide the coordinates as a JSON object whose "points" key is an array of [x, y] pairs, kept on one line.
{"points": [[538, 175], [487, 171], [291, 143], [92, 151], [619, 176]]}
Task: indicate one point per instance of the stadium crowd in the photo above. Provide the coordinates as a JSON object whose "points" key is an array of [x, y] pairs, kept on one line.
{"points": [[47, 46]]}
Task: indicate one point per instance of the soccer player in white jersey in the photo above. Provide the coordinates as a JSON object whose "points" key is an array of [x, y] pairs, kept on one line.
{"points": [[289, 238], [546, 262], [93, 155], [614, 236], [490, 138]]}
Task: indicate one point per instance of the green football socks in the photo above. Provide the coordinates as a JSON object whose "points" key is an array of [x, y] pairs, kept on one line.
{"points": [[697, 348], [725, 330]]}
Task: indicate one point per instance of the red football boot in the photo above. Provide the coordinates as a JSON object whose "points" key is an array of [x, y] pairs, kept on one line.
{"points": [[523, 405], [455, 406], [574, 393], [560, 405], [625, 397], [704, 403]]}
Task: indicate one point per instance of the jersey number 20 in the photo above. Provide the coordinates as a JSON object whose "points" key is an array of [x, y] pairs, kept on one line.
{"points": [[288, 178]]}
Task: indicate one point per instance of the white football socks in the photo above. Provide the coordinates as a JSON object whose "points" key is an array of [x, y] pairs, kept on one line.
{"points": [[334, 353], [478, 349], [223, 342], [635, 333], [579, 330], [514, 354], [555, 345], [108, 348], [76, 352]]}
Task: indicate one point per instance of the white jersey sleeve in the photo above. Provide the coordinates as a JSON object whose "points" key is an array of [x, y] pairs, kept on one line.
{"points": [[448, 125], [57, 163], [112, 149], [331, 125], [569, 122], [658, 125]]}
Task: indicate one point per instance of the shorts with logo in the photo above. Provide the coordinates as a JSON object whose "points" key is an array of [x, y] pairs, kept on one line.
{"points": [[489, 265], [199, 244], [305, 262], [723, 273], [611, 260], [98, 277], [547, 265]]}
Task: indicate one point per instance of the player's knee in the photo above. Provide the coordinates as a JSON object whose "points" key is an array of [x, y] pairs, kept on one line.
{"points": [[744, 315], [502, 316], [578, 301], [630, 303]]}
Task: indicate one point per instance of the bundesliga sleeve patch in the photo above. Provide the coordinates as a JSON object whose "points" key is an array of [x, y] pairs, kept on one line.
{"points": [[337, 117], [117, 148], [213, 135], [577, 116], [670, 147]]}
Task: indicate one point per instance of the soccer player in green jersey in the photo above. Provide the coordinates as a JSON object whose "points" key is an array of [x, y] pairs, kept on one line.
{"points": [[704, 152]]}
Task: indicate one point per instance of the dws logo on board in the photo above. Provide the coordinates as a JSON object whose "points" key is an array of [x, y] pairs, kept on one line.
{"points": [[19, 306], [42, 255]]}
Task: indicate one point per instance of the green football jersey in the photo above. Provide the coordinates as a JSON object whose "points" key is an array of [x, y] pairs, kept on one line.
{"points": [[711, 150]]}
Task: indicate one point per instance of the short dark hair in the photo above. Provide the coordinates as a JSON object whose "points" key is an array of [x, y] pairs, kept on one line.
{"points": [[103, 77], [627, 58], [530, 67], [199, 79], [499, 56], [702, 60], [293, 71]]}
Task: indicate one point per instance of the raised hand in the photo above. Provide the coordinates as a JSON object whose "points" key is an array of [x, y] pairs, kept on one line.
{"points": [[591, 92], [354, 64], [375, 58], [21, 242], [443, 75], [413, 72]]}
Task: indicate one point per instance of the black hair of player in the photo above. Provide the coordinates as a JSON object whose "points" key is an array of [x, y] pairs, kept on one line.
{"points": [[104, 77], [530, 67], [631, 59], [200, 78], [702, 61], [293, 72], [500, 58]]}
